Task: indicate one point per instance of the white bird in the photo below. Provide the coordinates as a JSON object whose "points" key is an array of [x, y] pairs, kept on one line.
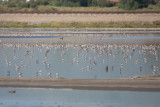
{"points": [[145, 60], [38, 73], [49, 75], [82, 69], [57, 75], [62, 60], [19, 74], [17, 67]]}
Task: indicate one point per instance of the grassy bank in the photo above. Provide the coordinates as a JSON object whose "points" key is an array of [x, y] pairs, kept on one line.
{"points": [[114, 8], [62, 8], [72, 9], [155, 24]]}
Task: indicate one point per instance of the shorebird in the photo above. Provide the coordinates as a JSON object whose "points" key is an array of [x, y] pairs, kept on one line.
{"points": [[48, 65], [82, 69], [21, 61], [89, 68], [145, 60], [137, 60], [103, 61], [94, 63], [61, 38], [43, 62], [57, 75], [47, 52], [62, 59], [49, 75], [77, 61], [17, 67], [19, 74], [38, 73], [154, 69], [27, 53], [14, 57], [156, 58], [8, 63], [106, 68], [121, 66]]}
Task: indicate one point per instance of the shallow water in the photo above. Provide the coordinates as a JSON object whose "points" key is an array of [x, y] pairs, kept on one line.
{"points": [[78, 61], [77, 57], [76, 98]]}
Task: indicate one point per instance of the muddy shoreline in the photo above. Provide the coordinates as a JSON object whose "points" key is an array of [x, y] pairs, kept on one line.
{"points": [[79, 35], [80, 12], [130, 84]]}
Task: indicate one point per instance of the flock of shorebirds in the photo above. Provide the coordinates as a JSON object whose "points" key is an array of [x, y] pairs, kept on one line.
{"points": [[89, 53]]}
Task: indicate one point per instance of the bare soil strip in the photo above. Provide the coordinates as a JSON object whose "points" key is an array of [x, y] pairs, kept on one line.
{"points": [[80, 12], [148, 84], [31, 18]]}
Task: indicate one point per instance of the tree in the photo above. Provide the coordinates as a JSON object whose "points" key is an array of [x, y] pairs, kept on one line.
{"points": [[102, 3], [157, 1], [135, 4], [84, 3]]}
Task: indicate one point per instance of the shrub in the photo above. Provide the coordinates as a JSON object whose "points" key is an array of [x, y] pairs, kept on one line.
{"points": [[110, 4], [84, 3], [102, 3], [156, 22], [33, 5], [45, 8], [151, 6], [66, 3], [129, 4], [158, 5]]}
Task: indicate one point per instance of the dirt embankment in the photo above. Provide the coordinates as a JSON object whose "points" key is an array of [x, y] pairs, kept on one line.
{"points": [[81, 12], [87, 17], [131, 84]]}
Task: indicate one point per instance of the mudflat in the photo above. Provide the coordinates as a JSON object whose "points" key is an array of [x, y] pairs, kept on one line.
{"points": [[149, 83]]}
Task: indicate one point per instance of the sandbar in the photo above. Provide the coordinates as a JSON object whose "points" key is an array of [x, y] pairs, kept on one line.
{"points": [[145, 84]]}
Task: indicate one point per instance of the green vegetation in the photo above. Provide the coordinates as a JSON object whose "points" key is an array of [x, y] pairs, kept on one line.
{"points": [[139, 4], [155, 24], [48, 5], [115, 8], [84, 3], [54, 5]]}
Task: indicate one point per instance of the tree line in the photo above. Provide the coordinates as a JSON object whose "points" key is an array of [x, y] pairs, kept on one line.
{"points": [[67, 3], [85, 3], [48, 4]]}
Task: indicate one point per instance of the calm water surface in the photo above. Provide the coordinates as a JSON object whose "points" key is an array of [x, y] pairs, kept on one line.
{"points": [[76, 98], [89, 58], [78, 61]]}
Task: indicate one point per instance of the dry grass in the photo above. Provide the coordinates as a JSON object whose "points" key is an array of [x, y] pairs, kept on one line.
{"points": [[80, 20]]}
